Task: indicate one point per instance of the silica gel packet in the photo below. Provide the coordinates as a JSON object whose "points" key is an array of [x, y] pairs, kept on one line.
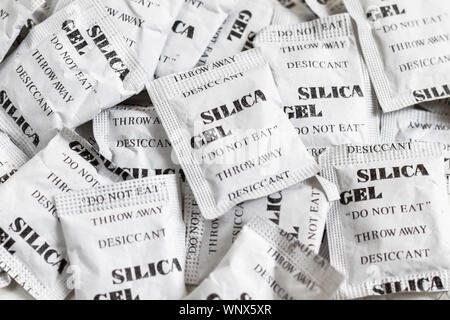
{"points": [[32, 250], [69, 68], [300, 210], [418, 125], [145, 25], [406, 48], [14, 16], [190, 34], [229, 133], [322, 80], [388, 232], [266, 262], [134, 138], [126, 240], [239, 30]]}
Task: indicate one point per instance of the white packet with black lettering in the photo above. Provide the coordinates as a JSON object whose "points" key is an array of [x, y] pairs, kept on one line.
{"points": [[406, 48], [14, 16], [323, 81], [325, 8], [190, 34], [126, 240], [11, 159], [70, 67], [229, 132], [300, 210], [134, 138], [388, 232], [268, 263], [246, 20], [418, 125], [144, 24], [32, 249]]}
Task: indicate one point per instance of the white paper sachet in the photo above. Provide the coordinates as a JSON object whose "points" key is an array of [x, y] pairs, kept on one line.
{"points": [[13, 17], [406, 48], [70, 67], [144, 24], [266, 262], [238, 31], [418, 125], [388, 233], [323, 82], [126, 240], [134, 138], [32, 250], [325, 8], [229, 132], [300, 210], [190, 34], [11, 159]]}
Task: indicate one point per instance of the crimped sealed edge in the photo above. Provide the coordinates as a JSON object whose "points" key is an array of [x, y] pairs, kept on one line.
{"points": [[71, 203], [101, 125], [20, 272], [338, 156], [389, 101], [102, 131], [192, 272], [175, 84], [328, 279], [162, 90], [7, 147]]}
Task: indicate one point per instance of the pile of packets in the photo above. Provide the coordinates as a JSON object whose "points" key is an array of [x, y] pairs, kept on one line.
{"points": [[225, 149]]}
